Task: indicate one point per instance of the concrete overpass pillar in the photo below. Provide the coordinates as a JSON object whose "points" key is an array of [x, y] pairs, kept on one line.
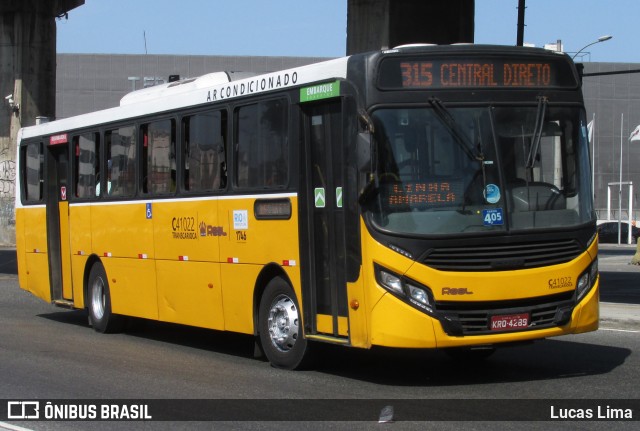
{"points": [[28, 74], [379, 24]]}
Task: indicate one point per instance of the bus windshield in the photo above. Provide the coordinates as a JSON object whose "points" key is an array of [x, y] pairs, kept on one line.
{"points": [[457, 170]]}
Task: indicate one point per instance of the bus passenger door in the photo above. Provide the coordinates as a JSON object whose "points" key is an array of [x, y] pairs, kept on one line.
{"points": [[322, 221], [58, 220]]}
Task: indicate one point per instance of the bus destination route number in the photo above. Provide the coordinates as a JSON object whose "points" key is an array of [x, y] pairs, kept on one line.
{"points": [[491, 72], [417, 74]]}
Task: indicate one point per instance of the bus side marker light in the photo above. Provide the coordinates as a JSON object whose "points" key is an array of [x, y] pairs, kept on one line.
{"points": [[354, 304], [142, 256], [233, 260], [288, 263], [80, 253], [183, 258], [107, 254], [210, 285]]}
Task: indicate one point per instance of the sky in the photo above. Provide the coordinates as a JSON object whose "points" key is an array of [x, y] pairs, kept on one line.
{"points": [[317, 28]]}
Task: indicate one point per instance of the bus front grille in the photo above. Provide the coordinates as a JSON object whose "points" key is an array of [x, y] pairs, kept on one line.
{"points": [[467, 318], [502, 257]]}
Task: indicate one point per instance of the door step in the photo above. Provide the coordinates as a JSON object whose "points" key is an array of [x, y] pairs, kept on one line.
{"points": [[328, 339], [63, 303]]}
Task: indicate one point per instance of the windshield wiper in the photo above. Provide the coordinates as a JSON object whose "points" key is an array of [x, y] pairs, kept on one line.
{"points": [[537, 131], [459, 136]]}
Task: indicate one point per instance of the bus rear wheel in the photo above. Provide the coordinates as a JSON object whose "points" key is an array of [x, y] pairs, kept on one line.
{"points": [[100, 315], [280, 326]]}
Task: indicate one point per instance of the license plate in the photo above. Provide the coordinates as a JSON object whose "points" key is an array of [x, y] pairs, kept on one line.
{"points": [[509, 322]]}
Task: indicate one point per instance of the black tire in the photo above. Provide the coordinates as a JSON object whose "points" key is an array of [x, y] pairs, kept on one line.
{"points": [[280, 327], [99, 303]]}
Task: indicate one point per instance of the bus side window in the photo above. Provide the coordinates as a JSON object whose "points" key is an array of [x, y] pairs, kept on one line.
{"points": [[261, 145], [33, 172], [86, 164], [121, 156], [159, 157], [204, 151]]}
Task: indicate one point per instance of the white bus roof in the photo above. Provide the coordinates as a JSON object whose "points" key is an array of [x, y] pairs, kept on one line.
{"points": [[213, 87]]}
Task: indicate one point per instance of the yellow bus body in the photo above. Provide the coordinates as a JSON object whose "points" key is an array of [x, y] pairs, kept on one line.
{"points": [[397, 324], [204, 272], [31, 249], [184, 264], [294, 238]]}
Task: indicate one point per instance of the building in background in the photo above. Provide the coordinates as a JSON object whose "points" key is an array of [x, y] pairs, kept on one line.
{"points": [[613, 104], [91, 82]]}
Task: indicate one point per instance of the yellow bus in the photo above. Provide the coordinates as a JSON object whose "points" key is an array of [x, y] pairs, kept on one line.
{"points": [[418, 197]]}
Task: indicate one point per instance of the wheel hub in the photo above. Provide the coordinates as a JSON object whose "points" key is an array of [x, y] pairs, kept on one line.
{"points": [[97, 298], [283, 323]]}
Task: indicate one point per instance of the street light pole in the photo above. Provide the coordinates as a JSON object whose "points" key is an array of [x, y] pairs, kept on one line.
{"points": [[600, 39], [620, 186]]}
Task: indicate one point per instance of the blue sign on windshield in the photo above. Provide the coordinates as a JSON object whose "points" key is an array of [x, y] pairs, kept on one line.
{"points": [[492, 217]]}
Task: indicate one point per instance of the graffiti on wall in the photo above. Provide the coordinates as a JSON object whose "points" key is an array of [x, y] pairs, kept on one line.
{"points": [[7, 191], [7, 178]]}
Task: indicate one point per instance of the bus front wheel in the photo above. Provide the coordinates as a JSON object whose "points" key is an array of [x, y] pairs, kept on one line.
{"points": [[280, 326], [100, 315]]}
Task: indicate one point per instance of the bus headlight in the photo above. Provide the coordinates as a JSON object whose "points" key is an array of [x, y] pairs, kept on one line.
{"points": [[583, 283], [391, 282], [418, 294], [408, 290], [587, 280]]}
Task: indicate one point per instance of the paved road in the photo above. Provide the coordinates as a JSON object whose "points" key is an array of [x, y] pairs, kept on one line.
{"points": [[50, 353]]}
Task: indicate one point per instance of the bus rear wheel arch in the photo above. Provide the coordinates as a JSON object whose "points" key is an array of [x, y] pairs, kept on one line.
{"points": [[99, 302], [280, 329]]}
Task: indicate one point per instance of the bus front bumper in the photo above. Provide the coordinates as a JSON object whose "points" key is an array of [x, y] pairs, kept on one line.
{"points": [[396, 324]]}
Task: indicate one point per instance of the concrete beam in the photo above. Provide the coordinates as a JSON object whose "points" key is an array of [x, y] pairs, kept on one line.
{"points": [[28, 74], [381, 24], [51, 8]]}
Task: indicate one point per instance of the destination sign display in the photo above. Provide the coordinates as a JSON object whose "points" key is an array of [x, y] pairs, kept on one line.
{"points": [[453, 73], [427, 194]]}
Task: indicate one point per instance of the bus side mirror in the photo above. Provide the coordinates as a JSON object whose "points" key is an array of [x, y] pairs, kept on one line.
{"points": [[363, 152], [363, 142]]}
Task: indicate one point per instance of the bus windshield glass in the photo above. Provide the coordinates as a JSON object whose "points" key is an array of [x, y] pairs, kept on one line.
{"points": [[456, 170]]}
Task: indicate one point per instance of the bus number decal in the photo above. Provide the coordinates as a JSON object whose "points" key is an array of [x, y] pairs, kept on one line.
{"points": [[184, 227], [492, 217], [560, 282]]}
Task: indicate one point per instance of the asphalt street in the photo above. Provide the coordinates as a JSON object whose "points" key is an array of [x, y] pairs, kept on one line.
{"points": [[170, 362]]}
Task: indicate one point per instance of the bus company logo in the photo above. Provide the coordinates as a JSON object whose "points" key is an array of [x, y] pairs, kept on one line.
{"points": [[23, 410], [208, 230], [456, 291]]}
